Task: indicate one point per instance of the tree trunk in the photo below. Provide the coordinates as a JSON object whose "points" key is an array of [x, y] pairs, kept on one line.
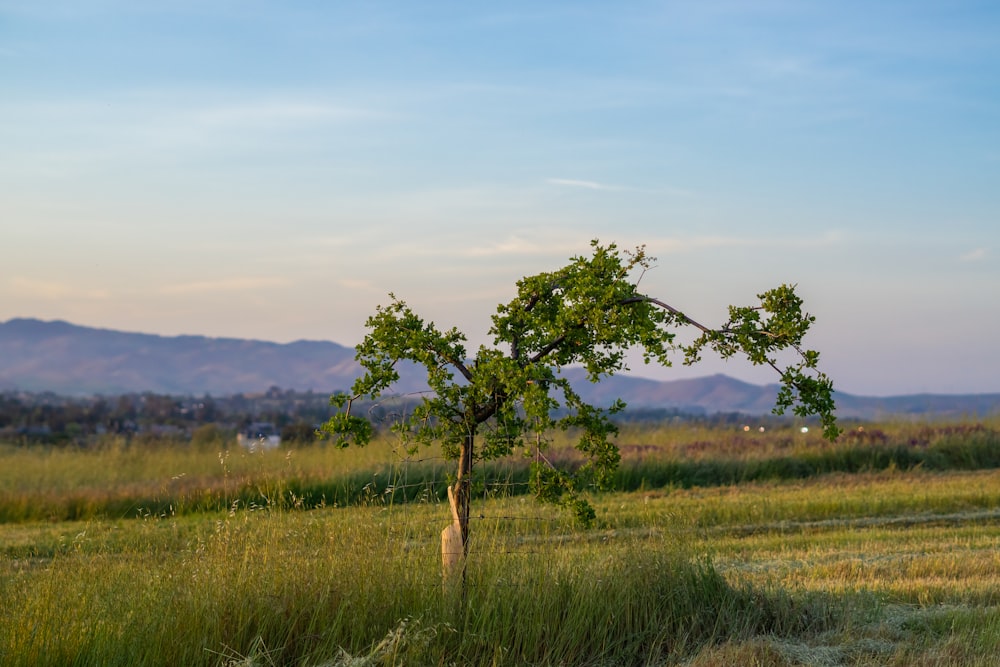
{"points": [[455, 538], [463, 490]]}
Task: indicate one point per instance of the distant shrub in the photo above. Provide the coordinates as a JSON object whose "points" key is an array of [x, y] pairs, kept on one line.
{"points": [[210, 435], [300, 433]]}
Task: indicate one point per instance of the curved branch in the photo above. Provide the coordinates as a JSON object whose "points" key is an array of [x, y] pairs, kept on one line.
{"points": [[673, 311], [459, 366]]}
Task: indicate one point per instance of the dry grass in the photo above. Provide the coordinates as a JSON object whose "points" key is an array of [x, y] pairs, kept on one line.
{"points": [[875, 568]]}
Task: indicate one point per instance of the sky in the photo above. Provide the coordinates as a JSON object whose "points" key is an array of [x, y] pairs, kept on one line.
{"points": [[273, 170]]}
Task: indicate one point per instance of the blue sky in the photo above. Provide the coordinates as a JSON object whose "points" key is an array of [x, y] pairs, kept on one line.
{"points": [[272, 170]]}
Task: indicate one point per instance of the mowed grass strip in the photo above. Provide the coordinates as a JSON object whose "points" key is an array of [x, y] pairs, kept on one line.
{"points": [[908, 538]]}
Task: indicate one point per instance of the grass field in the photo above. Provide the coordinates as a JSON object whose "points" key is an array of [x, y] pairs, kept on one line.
{"points": [[177, 555]]}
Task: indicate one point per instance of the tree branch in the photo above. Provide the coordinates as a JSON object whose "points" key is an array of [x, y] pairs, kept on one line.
{"points": [[672, 310], [458, 365]]}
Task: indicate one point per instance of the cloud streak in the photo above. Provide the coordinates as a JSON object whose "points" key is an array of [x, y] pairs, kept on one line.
{"points": [[518, 245], [146, 125], [57, 291], [225, 285], [697, 243], [976, 255], [587, 185], [607, 187]]}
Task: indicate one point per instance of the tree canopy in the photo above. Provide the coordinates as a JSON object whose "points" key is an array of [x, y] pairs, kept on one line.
{"points": [[512, 395]]}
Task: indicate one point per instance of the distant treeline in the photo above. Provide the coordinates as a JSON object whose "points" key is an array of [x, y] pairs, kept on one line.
{"points": [[50, 418]]}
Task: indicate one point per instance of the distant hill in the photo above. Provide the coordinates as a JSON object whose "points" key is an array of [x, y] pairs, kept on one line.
{"points": [[74, 360]]}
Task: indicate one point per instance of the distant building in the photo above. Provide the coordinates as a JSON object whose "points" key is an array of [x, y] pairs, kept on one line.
{"points": [[259, 435]]}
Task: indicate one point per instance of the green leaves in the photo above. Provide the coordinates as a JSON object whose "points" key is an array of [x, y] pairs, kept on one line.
{"points": [[760, 333], [347, 429], [588, 313]]}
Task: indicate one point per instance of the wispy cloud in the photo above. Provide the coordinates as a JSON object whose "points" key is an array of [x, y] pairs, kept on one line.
{"points": [[52, 290], [239, 284], [696, 243], [588, 185], [278, 112], [358, 285], [160, 107], [607, 187], [562, 243], [976, 255], [517, 245], [159, 123]]}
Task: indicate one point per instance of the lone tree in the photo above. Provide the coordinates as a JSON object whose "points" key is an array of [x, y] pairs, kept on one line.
{"points": [[588, 313]]}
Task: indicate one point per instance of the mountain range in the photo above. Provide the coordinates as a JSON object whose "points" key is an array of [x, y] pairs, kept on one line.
{"points": [[69, 359]]}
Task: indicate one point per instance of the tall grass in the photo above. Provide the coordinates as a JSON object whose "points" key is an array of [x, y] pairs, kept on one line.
{"points": [[892, 568], [699, 457], [121, 480], [331, 587]]}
